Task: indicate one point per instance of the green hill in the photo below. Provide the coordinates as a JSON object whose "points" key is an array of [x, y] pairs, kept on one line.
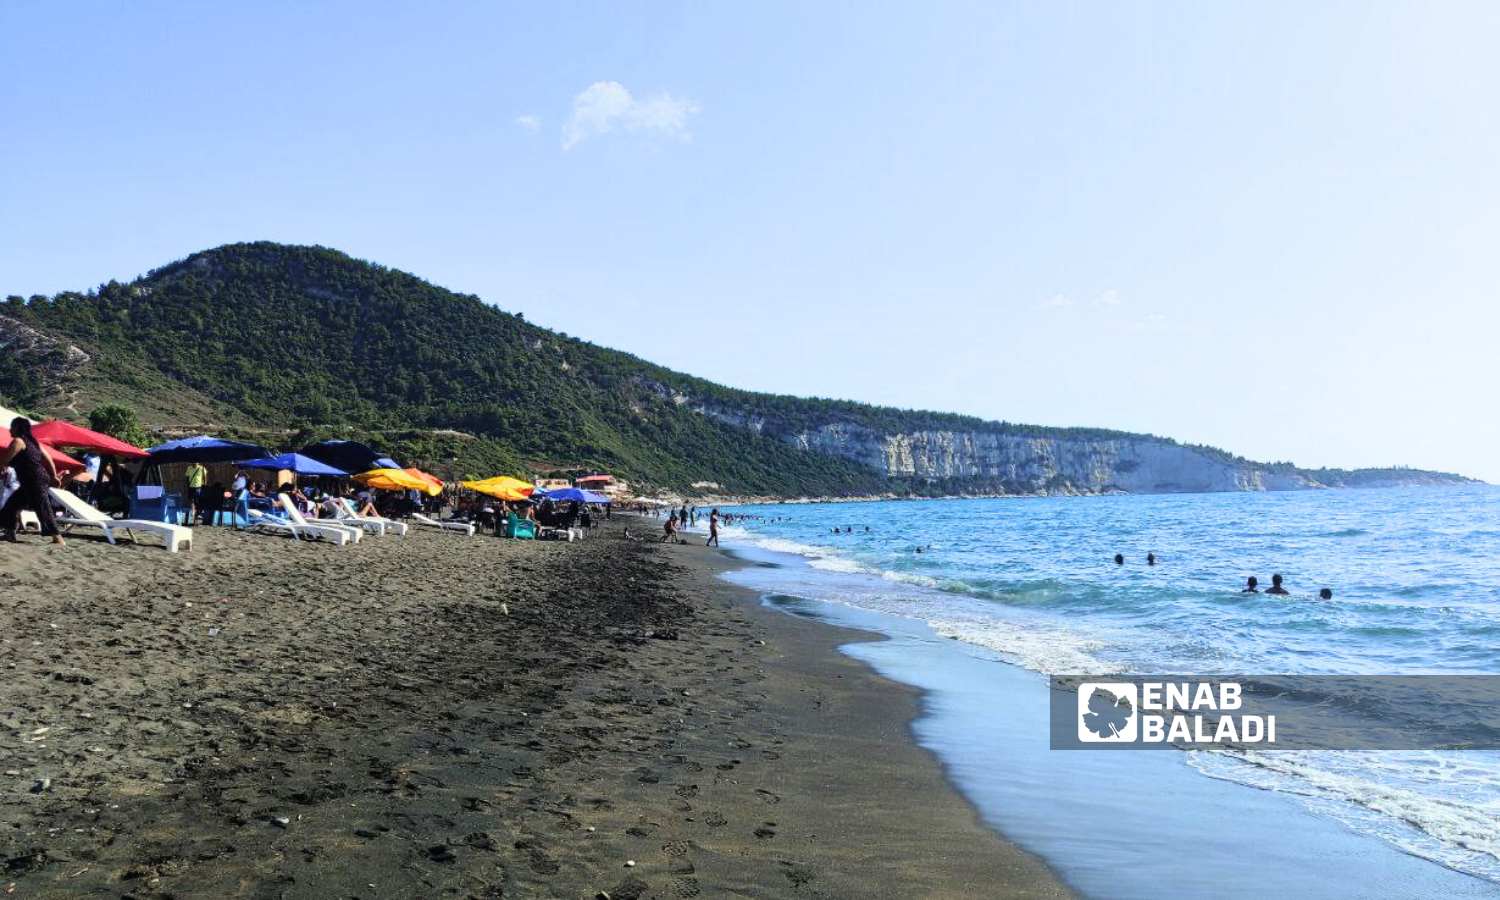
{"points": [[287, 343]]}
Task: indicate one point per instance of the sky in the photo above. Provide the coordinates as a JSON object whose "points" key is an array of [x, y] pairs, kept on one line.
{"points": [[1268, 227]]}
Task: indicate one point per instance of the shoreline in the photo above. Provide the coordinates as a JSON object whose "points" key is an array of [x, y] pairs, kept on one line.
{"points": [[440, 715]]}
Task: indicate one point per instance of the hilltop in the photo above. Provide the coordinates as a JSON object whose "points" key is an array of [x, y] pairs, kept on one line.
{"points": [[288, 343]]}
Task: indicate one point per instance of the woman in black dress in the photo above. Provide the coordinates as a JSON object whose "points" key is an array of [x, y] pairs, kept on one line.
{"points": [[35, 471]]}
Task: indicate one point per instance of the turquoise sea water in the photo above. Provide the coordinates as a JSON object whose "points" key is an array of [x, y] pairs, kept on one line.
{"points": [[1031, 582]]}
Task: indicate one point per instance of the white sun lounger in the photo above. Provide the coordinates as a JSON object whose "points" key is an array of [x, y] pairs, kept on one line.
{"points": [[265, 522], [352, 516], [465, 527], [76, 513], [295, 516]]}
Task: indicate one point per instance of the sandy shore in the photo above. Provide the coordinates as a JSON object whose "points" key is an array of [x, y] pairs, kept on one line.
{"points": [[444, 716]]}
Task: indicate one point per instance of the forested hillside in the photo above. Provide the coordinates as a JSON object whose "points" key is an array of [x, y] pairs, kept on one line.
{"points": [[306, 341]]}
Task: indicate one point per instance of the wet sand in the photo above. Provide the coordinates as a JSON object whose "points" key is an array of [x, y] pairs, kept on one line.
{"points": [[450, 716]]}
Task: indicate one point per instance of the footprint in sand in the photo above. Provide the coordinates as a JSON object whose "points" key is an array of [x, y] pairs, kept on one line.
{"points": [[767, 796], [715, 819]]}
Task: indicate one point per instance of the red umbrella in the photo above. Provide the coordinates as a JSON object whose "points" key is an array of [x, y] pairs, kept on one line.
{"points": [[63, 434], [64, 462]]}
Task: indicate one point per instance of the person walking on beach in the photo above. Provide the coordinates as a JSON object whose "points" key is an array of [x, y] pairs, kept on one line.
{"points": [[36, 473], [713, 530]]}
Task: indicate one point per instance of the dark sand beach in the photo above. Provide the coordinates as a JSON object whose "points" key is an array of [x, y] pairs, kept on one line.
{"points": [[447, 716]]}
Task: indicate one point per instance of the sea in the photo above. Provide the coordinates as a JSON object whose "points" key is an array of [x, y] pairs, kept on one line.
{"points": [[981, 599]]}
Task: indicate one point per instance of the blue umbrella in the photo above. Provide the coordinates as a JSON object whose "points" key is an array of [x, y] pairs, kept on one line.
{"points": [[566, 494], [201, 448], [575, 495], [293, 462]]}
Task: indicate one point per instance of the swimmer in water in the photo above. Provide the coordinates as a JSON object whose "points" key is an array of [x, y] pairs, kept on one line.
{"points": [[1150, 559], [1252, 585], [1325, 594], [1119, 559], [1276, 587]]}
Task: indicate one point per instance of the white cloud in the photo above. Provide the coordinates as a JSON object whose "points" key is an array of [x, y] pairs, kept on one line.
{"points": [[1110, 297], [529, 123], [607, 106], [1057, 301]]}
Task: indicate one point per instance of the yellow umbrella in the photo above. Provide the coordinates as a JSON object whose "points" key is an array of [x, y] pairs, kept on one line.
{"points": [[394, 480], [502, 487]]}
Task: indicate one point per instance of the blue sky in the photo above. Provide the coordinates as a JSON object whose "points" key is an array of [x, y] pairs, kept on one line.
{"points": [[1269, 227]]}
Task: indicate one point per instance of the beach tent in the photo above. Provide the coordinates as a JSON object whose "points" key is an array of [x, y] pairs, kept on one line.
{"points": [[63, 461], [394, 479], [350, 456], [58, 433], [204, 449], [292, 462], [432, 480], [502, 487]]}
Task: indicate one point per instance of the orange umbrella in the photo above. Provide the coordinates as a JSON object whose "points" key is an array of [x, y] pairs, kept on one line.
{"points": [[437, 483]]}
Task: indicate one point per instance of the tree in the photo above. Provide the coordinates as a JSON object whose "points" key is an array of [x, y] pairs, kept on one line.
{"points": [[118, 422]]}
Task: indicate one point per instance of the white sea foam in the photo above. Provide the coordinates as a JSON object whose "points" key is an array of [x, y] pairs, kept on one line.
{"points": [[1429, 804], [1039, 648]]}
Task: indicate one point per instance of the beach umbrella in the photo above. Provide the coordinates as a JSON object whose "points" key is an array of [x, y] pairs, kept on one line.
{"points": [[392, 480], [201, 448], [351, 456], [569, 495], [502, 487], [58, 433], [291, 462], [435, 484], [63, 461]]}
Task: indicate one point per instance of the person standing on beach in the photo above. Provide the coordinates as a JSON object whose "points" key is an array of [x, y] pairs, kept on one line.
{"points": [[197, 477], [669, 528], [713, 530], [36, 473]]}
